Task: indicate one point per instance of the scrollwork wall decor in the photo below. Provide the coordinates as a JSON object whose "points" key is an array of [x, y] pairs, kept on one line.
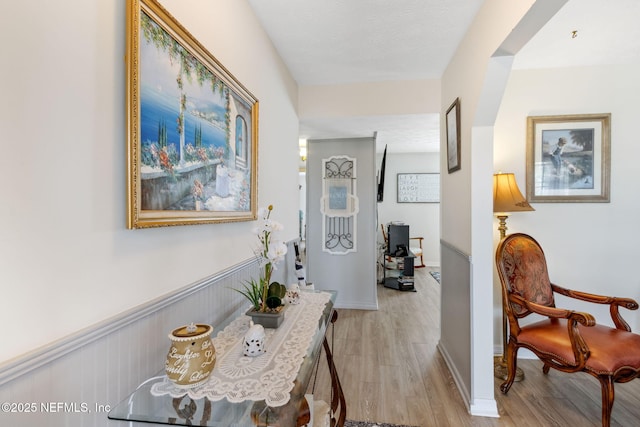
{"points": [[339, 205]]}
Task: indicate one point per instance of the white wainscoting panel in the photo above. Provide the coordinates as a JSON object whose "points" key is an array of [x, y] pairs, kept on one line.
{"points": [[69, 382]]}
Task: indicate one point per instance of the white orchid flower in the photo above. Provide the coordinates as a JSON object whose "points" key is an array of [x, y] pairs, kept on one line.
{"points": [[276, 252], [276, 226], [271, 225]]}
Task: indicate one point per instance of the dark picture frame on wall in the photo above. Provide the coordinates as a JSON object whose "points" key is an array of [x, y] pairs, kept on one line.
{"points": [[568, 158], [453, 136], [192, 128]]}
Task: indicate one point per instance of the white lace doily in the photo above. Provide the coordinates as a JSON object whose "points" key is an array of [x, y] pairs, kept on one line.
{"points": [[267, 377]]}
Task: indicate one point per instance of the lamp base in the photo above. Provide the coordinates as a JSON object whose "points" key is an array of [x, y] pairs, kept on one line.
{"points": [[502, 228], [500, 370]]}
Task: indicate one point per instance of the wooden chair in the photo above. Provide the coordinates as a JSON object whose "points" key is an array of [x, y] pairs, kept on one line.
{"points": [[416, 250], [566, 340]]}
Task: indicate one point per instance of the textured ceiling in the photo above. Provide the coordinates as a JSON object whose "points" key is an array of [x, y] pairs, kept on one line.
{"points": [[350, 41]]}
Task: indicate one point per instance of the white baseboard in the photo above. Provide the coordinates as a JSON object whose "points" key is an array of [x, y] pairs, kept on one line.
{"points": [[477, 408], [484, 408]]}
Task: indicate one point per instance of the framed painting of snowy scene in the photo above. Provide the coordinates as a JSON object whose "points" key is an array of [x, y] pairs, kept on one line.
{"points": [[568, 158], [192, 140]]}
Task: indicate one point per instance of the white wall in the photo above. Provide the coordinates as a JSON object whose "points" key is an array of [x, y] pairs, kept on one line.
{"points": [[589, 246], [363, 99], [423, 218], [466, 196], [66, 259]]}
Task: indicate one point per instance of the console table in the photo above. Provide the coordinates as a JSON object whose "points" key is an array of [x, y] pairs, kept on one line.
{"points": [[142, 406]]}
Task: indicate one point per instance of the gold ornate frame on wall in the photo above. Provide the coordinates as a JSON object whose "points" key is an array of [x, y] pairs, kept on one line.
{"points": [[192, 128], [568, 158]]}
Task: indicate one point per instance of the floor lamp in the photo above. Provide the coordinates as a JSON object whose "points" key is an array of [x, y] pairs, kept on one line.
{"points": [[507, 198]]}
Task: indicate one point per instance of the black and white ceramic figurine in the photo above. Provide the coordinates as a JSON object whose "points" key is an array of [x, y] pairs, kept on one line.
{"points": [[254, 340]]}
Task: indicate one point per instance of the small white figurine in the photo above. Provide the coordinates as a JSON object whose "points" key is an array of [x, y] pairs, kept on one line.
{"points": [[254, 340], [293, 294]]}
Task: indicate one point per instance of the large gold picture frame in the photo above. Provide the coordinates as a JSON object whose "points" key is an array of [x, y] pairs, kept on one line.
{"points": [[192, 128], [568, 158]]}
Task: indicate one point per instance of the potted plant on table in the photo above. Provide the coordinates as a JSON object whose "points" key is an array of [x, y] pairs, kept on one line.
{"points": [[266, 297]]}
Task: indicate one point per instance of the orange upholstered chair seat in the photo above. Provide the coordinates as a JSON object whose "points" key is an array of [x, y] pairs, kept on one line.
{"points": [[610, 349]]}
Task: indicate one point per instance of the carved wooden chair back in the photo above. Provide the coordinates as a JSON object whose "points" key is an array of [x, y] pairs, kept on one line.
{"points": [[523, 266]]}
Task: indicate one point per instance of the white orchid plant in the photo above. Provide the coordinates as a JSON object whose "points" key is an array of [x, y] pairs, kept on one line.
{"points": [[266, 295]]}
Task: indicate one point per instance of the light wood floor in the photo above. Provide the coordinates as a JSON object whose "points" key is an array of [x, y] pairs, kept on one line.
{"points": [[391, 371]]}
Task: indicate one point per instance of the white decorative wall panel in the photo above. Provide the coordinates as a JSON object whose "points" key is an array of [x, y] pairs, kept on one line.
{"points": [[339, 205]]}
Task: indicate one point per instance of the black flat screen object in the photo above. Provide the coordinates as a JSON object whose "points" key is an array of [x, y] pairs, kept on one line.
{"points": [[381, 175], [398, 239]]}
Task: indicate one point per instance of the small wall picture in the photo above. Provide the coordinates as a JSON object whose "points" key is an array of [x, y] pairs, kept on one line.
{"points": [[453, 136], [568, 158]]}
